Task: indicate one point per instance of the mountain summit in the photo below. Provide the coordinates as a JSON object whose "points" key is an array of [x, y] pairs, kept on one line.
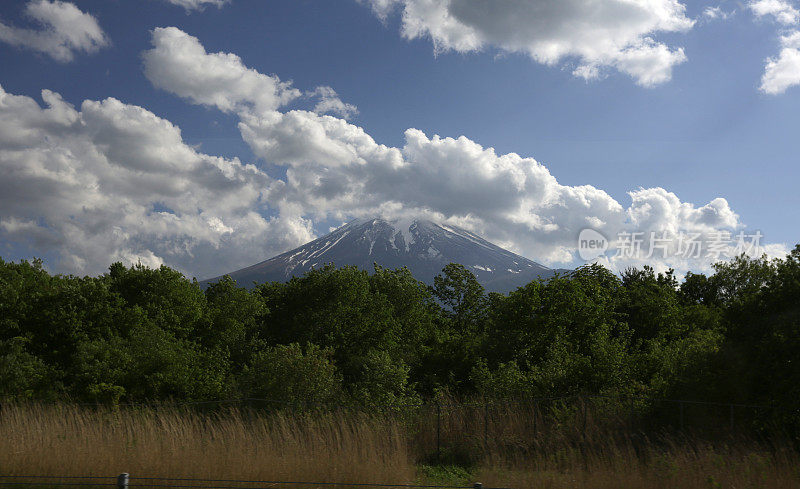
{"points": [[423, 246]]}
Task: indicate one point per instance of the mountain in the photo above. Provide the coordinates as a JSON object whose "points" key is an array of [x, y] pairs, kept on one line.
{"points": [[423, 246]]}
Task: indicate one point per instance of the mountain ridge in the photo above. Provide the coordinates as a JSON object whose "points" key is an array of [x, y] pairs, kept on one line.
{"points": [[421, 245]]}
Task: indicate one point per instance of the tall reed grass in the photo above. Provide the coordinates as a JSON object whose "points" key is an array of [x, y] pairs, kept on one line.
{"points": [[602, 444], [656, 465], [232, 444], [519, 447]]}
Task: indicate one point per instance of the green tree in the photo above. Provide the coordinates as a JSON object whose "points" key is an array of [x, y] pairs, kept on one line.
{"points": [[232, 319], [285, 373], [22, 375], [463, 298], [346, 311]]}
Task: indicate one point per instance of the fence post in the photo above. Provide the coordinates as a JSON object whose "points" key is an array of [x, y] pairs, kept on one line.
{"points": [[122, 481]]}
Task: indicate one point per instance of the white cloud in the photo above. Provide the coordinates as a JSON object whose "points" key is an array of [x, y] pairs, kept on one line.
{"points": [[190, 5], [717, 13], [330, 103], [597, 34], [783, 71], [781, 11], [63, 30], [336, 170], [113, 181], [222, 81]]}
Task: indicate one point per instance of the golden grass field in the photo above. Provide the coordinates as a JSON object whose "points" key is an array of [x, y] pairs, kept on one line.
{"points": [[369, 447]]}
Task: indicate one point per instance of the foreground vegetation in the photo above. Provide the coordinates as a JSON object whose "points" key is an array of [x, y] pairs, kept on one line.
{"points": [[353, 446], [355, 365], [66, 440]]}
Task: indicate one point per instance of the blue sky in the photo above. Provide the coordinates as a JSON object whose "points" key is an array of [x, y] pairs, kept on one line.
{"points": [[708, 132]]}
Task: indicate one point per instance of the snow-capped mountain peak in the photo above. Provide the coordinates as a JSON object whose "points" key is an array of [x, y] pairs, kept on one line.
{"points": [[422, 245]]}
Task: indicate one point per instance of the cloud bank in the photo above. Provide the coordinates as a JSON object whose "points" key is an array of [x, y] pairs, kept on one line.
{"points": [[113, 181], [615, 34], [62, 31]]}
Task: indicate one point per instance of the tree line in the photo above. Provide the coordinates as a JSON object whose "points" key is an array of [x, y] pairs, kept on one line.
{"points": [[345, 335]]}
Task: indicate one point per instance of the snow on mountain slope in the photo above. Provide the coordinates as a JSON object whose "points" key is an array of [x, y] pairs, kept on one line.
{"points": [[421, 245]]}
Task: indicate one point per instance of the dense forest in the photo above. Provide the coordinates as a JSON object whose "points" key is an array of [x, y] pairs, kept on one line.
{"points": [[343, 335]]}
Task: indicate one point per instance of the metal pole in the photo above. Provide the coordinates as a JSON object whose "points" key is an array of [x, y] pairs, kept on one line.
{"points": [[680, 403], [122, 481], [731, 418]]}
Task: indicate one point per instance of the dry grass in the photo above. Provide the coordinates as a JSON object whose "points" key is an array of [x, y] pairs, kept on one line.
{"points": [[67, 440], [601, 446], [678, 466], [519, 448]]}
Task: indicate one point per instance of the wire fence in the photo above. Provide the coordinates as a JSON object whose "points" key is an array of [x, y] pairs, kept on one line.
{"points": [[127, 481]]}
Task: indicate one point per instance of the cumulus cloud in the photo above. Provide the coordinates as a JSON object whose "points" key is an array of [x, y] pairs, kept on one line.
{"points": [[783, 71], [113, 181], [62, 30], [616, 34], [781, 11], [335, 170], [191, 5], [222, 81]]}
